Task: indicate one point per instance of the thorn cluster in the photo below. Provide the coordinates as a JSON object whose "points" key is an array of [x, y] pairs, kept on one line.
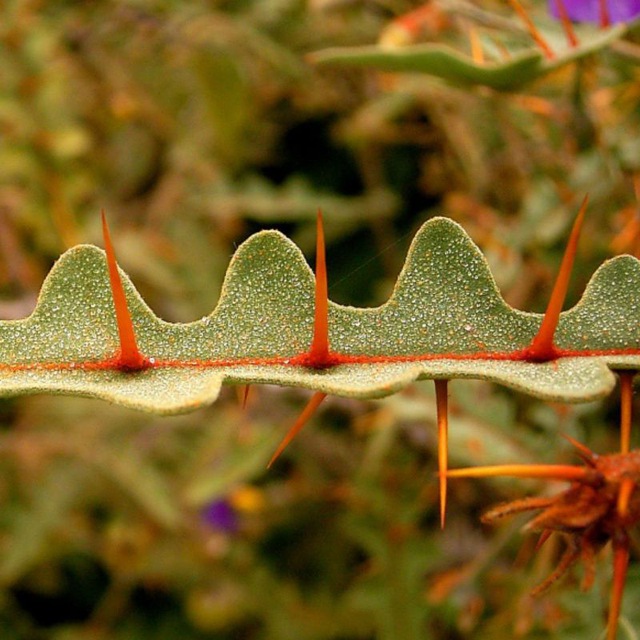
{"points": [[600, 506]]}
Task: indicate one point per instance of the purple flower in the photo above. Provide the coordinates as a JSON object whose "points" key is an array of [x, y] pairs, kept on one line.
{"points": [[590, 10], [220, 515]]}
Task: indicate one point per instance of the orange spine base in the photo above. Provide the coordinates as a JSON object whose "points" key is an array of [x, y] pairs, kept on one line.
{"points": [[129, 358], [542, 347]]}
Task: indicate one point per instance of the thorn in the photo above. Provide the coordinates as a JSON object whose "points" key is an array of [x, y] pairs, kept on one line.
{"points": [[551, 471], [584, 452], [603, 14], [620, 565], [542, 347], [319, 350], [626, 399], [243, 394], [442, 413], [544, 536], [627, 486], [477, 53], [303, 418], [129, 358], [532, 29], [567, 25]]}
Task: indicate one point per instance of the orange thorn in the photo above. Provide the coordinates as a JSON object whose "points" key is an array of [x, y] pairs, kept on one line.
{"points": [[442, 413], [243, 394], [626, 399], [552, 471], [319, 350], [532, 29], [620, 565], [544, 536], [627, 487], [477, 53], [567, 25], [542, 347], [603, 12], [303, 418], [129, 358], [583, 451]]}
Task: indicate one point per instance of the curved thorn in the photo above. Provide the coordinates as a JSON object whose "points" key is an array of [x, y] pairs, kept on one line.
{"points": [[626, 399], [319, 351], [620, 565], [442, 416], [130, 358], [303, 418], [551, 471], [542, 347]]}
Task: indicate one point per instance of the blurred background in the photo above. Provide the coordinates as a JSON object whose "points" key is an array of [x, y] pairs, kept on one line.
{"points": [[194, 124]]}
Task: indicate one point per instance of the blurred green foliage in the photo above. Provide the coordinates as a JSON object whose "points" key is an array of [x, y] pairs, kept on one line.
{"points": [[194, 124]]}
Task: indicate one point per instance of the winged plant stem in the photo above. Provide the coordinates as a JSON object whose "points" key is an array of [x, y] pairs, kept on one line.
{"points": [[318, 355], [129, 358], [542, 347]]}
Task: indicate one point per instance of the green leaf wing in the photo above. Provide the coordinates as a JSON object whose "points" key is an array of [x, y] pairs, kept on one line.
{"points": [[445, 319]]}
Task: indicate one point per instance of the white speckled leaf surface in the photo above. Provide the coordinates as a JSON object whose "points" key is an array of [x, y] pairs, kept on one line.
{"points": [[445, 306]]}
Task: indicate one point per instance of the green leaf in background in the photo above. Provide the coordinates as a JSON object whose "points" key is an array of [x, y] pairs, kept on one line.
{"points": [[445, 319], [441, 61]]}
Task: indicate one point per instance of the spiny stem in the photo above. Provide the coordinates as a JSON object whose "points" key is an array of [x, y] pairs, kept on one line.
{"points": [[626, 399], [620, 565], [553, 471], [532, 29], [129, 358], [603, 13], [542, 347], [442, 414], [303, 418], [567, 25], [319, 351]]}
